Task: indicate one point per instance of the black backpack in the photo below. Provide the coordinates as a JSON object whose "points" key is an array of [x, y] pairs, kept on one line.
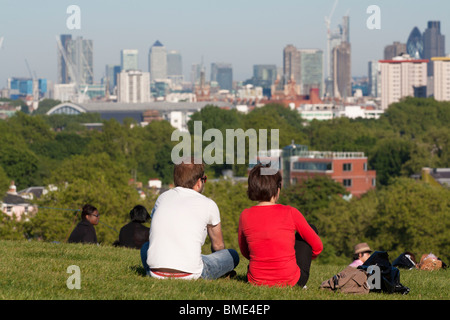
{"points": [[390, 276]]}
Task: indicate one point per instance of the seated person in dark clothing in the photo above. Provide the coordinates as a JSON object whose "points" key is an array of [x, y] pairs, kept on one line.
{"points": [[135, 234], [84, 232]]}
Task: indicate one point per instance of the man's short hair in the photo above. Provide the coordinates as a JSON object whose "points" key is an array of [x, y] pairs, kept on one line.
{"points": [[87, 210], [139, 214], [263, 187], [187, 173]]}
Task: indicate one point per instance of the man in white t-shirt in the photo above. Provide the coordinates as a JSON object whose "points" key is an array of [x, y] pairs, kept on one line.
{"points": [[181, 219]]}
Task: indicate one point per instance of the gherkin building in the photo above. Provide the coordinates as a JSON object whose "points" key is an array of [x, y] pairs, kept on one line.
{"points": [[414, 45]]}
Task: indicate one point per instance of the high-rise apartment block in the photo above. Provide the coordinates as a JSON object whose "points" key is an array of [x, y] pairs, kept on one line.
{"points": [[157, 62], [133, 86], [433, 43], [129, 59], [441, 67], [401, 77]]}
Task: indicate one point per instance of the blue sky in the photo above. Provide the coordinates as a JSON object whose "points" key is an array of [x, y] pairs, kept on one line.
{"points": [[240, 32]]}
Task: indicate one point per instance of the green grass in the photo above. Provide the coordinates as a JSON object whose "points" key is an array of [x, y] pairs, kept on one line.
{"points": [[38, 271]]}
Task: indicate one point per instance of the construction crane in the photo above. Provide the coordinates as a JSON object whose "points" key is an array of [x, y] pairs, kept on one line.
{"points": [[34, 81], [327, 23], [69, 64]]}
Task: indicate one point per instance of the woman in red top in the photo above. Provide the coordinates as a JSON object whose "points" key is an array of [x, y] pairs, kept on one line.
{"points": [[277, 239]]}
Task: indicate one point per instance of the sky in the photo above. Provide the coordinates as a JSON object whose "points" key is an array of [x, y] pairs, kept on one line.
{"points": [[240, 32]]}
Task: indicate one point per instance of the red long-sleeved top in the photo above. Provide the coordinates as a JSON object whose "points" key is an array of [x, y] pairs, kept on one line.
{"points": [[267, 238]]}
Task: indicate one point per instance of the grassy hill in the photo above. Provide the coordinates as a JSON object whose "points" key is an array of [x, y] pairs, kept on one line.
{"points": [[32, 270]]}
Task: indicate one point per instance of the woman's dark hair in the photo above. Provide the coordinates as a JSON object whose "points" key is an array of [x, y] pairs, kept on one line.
{"points": [[87, 210], [263, 187], [139, 214]]}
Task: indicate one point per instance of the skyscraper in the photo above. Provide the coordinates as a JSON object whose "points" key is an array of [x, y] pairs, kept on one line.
{"points": [[63, 66], [264, 75], [83, 58], [292, 65], [335, 38], [111, 73], [433, 43], [174, 67], [129, 59], [342, 71], [76, 63], [195, 73], [414, 45], [311, 70], [374, 79], [157, 62], [394, 50], [222, 73]]}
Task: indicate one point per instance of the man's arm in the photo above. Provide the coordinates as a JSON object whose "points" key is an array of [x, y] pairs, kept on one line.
{"points": [[216, 237]]}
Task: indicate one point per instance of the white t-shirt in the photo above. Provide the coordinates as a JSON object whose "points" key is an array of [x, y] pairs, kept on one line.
{"points": [[178, 229]]}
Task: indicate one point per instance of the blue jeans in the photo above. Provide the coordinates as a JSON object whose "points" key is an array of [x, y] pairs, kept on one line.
{"points": [[215, 264]]}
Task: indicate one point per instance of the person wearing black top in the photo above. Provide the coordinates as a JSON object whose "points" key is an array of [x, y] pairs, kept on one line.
{"points": [[135, 234], [84, 232]]}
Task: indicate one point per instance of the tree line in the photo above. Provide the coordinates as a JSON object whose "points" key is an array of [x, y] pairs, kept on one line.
{"points": [[96, 166]]}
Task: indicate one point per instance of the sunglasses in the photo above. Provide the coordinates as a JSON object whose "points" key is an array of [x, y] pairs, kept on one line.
{"points": [[95, 215], [204, 178]]}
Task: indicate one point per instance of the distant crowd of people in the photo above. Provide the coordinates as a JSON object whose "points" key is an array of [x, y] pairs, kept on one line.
{"points": [[276, 239]]}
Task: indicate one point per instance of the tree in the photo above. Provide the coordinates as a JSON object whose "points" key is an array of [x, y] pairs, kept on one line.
{"points": [[312, 194], [412, 216], [45, 105], [389, 157], [94, 179]]}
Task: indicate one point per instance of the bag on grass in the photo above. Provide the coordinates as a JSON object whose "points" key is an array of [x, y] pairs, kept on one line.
{"points": [[406, 260], [349, 280], [430, 262]]}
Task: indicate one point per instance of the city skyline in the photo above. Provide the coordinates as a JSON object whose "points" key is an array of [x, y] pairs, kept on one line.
{"points": [[241, 34]]}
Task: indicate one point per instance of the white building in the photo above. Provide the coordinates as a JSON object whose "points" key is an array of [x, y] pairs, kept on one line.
{"points": [[322, 111], [133, 87], [441, 78], [399, 77], [64, 92], [354, 112]]}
